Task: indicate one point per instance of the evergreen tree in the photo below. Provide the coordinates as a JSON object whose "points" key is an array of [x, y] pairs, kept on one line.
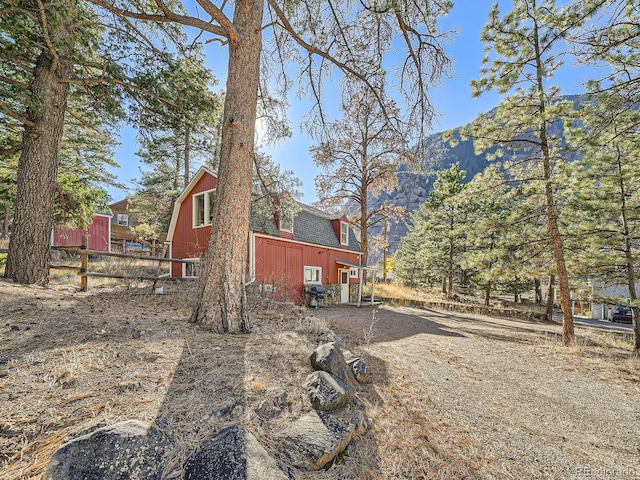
{"points": [[440, 224], [529, 45], [52, 51], [605, 206], [612, 40]]}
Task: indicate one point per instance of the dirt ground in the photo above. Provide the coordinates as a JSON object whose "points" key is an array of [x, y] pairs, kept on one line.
{"points": [[462, 396], [451, 396]]}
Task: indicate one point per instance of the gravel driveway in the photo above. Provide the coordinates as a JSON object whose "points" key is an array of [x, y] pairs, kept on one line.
{"points": [[463, 396]]}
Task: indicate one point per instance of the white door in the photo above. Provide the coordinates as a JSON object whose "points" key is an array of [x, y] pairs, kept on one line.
{"points": [[343, 279]]}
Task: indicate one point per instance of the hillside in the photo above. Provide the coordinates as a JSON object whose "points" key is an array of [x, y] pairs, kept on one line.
{"points": [[413, 188]]}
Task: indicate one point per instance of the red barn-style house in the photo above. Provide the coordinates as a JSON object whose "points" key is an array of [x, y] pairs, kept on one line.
{"points": [[99, 232], [288, 254]]}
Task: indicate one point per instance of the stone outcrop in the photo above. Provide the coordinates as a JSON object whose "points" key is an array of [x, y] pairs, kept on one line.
{"points": [[329, 358], [233, 454], [130, 449], [137, 450], [326, 391], [315, 439]]}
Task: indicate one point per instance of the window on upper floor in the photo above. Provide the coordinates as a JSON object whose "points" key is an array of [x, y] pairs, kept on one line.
{"points": [[286, 221], [344, 233], [203, 208], [123, 220]]}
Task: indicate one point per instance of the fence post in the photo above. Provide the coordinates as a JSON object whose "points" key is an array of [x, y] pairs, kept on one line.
{"points": [[84, 263]]}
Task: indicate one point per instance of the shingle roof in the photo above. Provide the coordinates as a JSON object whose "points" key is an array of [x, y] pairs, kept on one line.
{"points": [[310, 225]]}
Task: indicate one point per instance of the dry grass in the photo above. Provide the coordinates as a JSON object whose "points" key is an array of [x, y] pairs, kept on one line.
{"points": [[451, 398], [393, 290], [72, 359], [458, 396]]}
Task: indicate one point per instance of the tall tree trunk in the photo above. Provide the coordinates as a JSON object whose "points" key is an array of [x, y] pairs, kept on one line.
{"points": [[551, 297], [364, 245], [187, 153], [450, 273], [29, 245], [5, 222], [552, 212], [384, 249], [538, 291], [629, 260], [222, 303]]}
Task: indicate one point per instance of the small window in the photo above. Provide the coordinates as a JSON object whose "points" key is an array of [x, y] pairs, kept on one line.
{"points": [[203, 208], [353, 273], [190, 269], [312, 275], [344, 233], [123, 220]]}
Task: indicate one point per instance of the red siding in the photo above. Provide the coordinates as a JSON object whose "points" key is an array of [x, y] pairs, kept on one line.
{"points": [[279, 264], [273, 260], [98, 231], [189, 242]]}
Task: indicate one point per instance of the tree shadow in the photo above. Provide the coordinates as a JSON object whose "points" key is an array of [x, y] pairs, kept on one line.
{"points": [[77, 359]]}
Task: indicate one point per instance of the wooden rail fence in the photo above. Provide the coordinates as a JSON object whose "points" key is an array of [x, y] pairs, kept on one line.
{"points": [[84, 273]]}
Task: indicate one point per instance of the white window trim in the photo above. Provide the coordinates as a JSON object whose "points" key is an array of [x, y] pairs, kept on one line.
{"points": [[207, 211], [122, 217], [344, 235], [196, 262], [289, 214], [304, 275], [353, 272]]}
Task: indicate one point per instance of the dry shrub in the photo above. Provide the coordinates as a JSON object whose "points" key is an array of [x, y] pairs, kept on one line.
{"points": [[312, 325]]}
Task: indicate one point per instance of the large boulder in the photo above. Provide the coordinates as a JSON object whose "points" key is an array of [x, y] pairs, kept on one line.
{"points": [[233, 454], [126, 450], [329, 358], [316, 438], [326, 391]]}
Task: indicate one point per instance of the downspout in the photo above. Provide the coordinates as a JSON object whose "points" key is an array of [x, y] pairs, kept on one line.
{"points": [[252, 259]]}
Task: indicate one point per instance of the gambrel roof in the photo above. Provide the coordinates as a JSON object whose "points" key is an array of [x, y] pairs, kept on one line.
{"points": [[310, 225]]}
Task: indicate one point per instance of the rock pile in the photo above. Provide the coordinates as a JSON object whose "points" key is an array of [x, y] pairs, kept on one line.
{"points": [[138, 450]]}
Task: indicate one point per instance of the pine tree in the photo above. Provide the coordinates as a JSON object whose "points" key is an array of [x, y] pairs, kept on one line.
{"points": [[359, 161], [528, 45], [440, 224], [52, 51], [606, 205]]}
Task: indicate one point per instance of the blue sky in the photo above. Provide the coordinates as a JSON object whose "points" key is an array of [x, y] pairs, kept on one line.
{"points": [[452, 99]]}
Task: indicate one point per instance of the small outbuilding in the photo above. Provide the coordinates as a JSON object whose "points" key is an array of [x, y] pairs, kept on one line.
{"points": [[99, 232]]}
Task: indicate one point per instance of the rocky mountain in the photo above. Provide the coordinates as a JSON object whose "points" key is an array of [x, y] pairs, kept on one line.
{"points": [[413, 188]]}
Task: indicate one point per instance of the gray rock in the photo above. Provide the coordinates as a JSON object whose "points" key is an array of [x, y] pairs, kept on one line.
{"points": [[359, 369], [328, 357], [326, 391], [126, 450], [315, 439], [330, 336], [233, 454], [227, 407]]}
